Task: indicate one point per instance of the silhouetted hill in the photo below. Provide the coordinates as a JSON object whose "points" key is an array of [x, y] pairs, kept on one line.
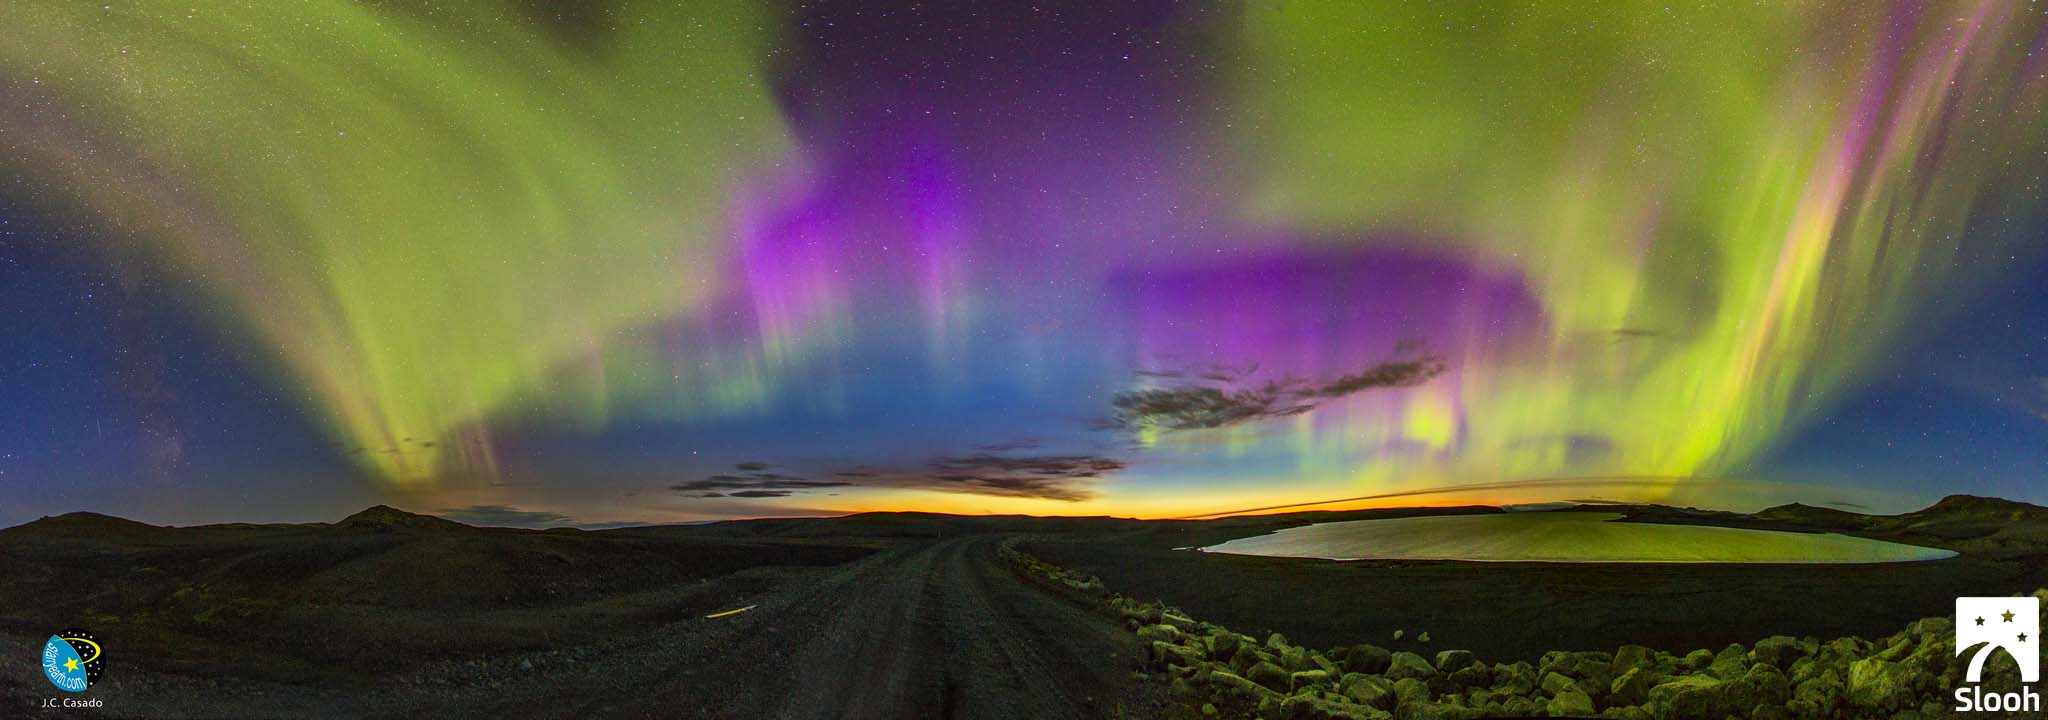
{"points": [[385, 517], [86, 526]]}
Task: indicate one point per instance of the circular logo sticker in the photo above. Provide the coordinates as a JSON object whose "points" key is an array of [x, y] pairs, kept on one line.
{"points": [[73, 660]]}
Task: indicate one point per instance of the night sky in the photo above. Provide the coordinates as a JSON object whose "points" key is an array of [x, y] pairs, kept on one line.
{"points": [[538, 263]]}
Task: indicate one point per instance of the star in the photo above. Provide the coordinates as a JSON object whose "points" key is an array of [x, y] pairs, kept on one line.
{"points": [[2008, 616], [1980, 621], [72, 664], [2023, 637]]}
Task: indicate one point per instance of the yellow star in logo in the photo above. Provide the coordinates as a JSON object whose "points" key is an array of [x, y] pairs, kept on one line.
{"points": [[71, 665], [2008, 616]]}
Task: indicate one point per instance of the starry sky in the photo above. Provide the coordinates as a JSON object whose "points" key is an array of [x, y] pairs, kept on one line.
{"points": [[606, 261]]}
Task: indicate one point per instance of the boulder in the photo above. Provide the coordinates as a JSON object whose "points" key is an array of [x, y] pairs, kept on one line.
{"points": [[1423, 638], [1296, 659], [1626, 713], [1730, 663], [1557, 682], [1451, 661], [1778, 650], [1514, 679], [1409, 665], [1164, 654], [1370, 659], [1238, 688], [1630, 656], [1276, 642], [1307, 679], [1697, 660], [1177, 620], [1370, 690], [1879, 685], [1167, 633], [1594, 672], [1475, 675], [1270, 676], [1410, 692], [1571, 703], [1315, 708], [1762, 685], [1245, 657], [1692, 697], [1633, 687], [1223, 644], [1436, 711]]}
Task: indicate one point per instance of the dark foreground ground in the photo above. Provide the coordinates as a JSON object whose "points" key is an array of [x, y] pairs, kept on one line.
{"points": [[388, 614]]}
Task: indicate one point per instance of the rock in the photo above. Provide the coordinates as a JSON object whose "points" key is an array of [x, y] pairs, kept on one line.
{"points": [[1276, 642], [1409, 665], [1629, 656], [1593, 671], [1296, 659], [1730, 663], [1223, 644], [1688, 698], [1820, 695], [1315, 708], [1778, 650], [1698, 660], [1451, 661], [1514, 679], [1166, 633], [1763, 685], [1239, 688], [1435, 711], [526, 666], [1209, 710], [1571, 703], [1306, 679], [1399, 633], [1633, 687], [1245, 657], [1879, 685], [1164, 654], [1177, 620], [1626, 713], [1556, 682], [1475, 675], [1370, 659], [1410, 691], [1423, 638], [1270, 676], [1371, 690]]}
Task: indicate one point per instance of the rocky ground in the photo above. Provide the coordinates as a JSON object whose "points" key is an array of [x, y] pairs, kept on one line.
{"points": [[1909, 674]]}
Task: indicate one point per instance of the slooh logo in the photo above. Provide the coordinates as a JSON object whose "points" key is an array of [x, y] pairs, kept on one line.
{"points": [[2012, 624]]}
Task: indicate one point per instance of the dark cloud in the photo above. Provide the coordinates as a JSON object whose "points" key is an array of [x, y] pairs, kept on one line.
{"points": [[985, 472], [752, 466], [1047, 477], [1196, 407], [1011, 446], [751, 485]]}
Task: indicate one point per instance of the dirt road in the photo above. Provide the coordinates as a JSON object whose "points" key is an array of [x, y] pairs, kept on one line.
{"points": [[939, 629]]}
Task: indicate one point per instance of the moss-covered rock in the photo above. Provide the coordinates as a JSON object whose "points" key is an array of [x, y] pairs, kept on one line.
{"points": [[1633, 656], [1409, 665], [1691, 697], [1879, 685], [1450, 661], [1369, 659], [1270, 676], [1571, 703], [1308, 679], [1410, 692], [1371, 690], [1633, 687], [1167, 633], [1778, 650]]}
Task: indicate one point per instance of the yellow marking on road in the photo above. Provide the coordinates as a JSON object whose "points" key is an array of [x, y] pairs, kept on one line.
{"points": [[734, 611]]}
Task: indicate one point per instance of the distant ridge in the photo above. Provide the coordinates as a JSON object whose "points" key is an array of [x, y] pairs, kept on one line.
{"points": [[385, 517], [88, 526]]}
